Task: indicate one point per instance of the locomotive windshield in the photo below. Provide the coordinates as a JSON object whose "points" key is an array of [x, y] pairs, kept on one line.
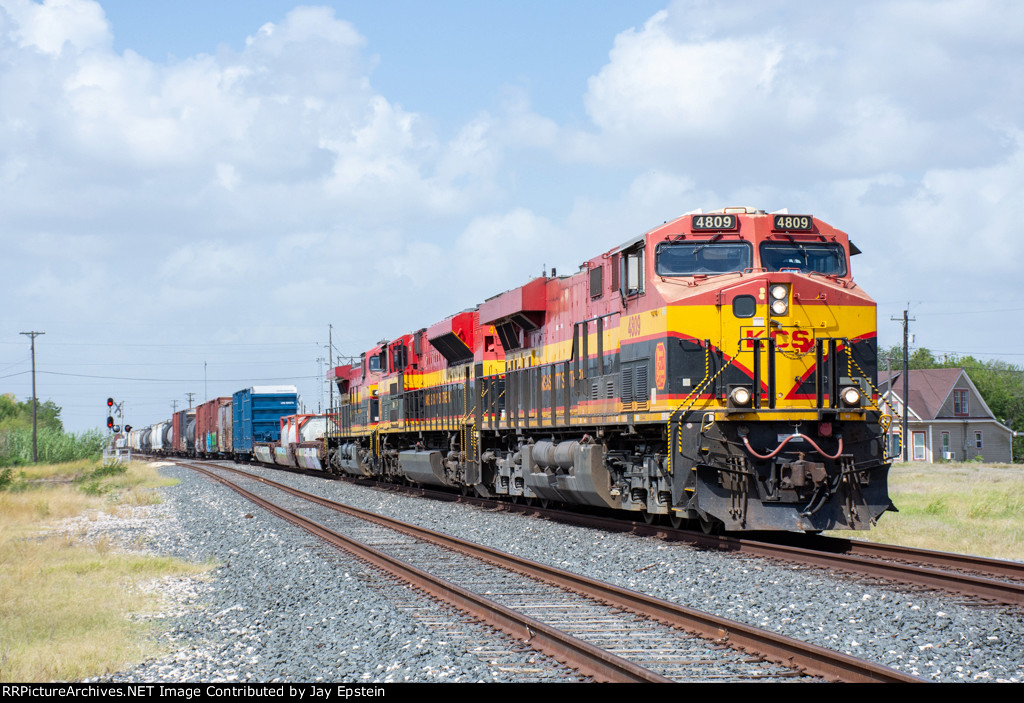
{"points": [[705, 258], [829, 259]]}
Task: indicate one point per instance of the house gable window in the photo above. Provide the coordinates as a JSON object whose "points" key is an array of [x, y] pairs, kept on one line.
{"points": [[960, 402]]}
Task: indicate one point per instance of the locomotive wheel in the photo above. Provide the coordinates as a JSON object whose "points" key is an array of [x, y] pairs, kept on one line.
{"points": [[710, 526], [650, 518], [675, 521], [544, 502]]}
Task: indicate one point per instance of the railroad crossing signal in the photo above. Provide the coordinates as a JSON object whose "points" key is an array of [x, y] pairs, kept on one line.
{"points": [[113, 408]]}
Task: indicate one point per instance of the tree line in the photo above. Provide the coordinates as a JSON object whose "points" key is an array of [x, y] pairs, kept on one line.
{"points": [[16, 415]]}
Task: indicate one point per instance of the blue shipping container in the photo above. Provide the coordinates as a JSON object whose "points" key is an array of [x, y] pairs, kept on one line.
{"points": [[256, 415]]}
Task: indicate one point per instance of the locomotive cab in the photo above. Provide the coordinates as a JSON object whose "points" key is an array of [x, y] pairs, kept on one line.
{"points": [[771, 349]]}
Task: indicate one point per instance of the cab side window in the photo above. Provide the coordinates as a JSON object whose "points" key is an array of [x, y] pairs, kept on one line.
{"points": [[632, 277]]}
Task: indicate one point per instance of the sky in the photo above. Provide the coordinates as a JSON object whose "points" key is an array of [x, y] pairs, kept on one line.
{"points": [[192, 193]]}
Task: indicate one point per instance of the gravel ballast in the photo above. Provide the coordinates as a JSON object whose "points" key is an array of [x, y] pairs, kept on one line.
{"points": [[284, 607]]}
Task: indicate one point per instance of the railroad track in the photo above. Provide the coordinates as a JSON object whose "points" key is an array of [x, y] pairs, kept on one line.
{"points": [[448, 624], [992, 580], [984, 566], [603, 631], [978, 578], [961, 574]]}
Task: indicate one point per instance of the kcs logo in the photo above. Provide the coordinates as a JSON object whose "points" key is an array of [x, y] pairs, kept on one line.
{"points": [[800, 340]]}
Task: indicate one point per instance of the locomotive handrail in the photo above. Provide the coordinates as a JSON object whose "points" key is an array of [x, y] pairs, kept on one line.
{"points": [[874, 405]]}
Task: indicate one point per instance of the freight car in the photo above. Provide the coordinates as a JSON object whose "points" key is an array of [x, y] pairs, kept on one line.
{"points": [[255, 418], [245, 426], [718, 369]]}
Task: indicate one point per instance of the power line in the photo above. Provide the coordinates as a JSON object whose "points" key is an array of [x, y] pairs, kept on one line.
{"points": [[180, 346], [11, 366], [970, 312], [232, 364], [181, 380], [980, 353]]}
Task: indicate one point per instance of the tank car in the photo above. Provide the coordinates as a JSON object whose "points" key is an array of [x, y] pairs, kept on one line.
{"points": [[160, 437], [719, 369]]}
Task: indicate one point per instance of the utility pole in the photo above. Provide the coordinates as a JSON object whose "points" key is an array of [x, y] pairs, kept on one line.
{"points": [[330, 357], [174, 406], [32, 336], [190, 398], [320, 367], [906, 375], [888, 398]]}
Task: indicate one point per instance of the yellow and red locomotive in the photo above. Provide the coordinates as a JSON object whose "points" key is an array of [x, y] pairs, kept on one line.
{"points": [[720, 369]]}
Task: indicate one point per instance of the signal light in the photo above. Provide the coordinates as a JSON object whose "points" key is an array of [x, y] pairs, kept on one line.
{"points": [[127, 428], [110, 402], [110, 422]]}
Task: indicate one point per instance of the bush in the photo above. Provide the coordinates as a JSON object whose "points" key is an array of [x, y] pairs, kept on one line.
{"points": [[92, 482], [54, 446]]}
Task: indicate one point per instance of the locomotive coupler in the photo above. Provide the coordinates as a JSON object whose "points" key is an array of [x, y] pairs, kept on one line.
{"points": [[796, 473]]}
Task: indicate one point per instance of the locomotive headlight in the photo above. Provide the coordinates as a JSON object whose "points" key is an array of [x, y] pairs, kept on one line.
{"points": [[780, 299], [850, 396], [740, 396]]}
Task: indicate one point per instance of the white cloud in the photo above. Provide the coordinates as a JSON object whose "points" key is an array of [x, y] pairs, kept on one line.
{"points": [[291, 121], [750, 89], [274, 189], [654, 83], [899, 122], [54, 25]]}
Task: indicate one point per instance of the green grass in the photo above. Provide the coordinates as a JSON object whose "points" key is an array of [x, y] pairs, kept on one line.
{"points": [[973, 508], [67, 602]]}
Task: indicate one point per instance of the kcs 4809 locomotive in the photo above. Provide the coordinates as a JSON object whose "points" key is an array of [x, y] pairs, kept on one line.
{"points": [[719, 369]]}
